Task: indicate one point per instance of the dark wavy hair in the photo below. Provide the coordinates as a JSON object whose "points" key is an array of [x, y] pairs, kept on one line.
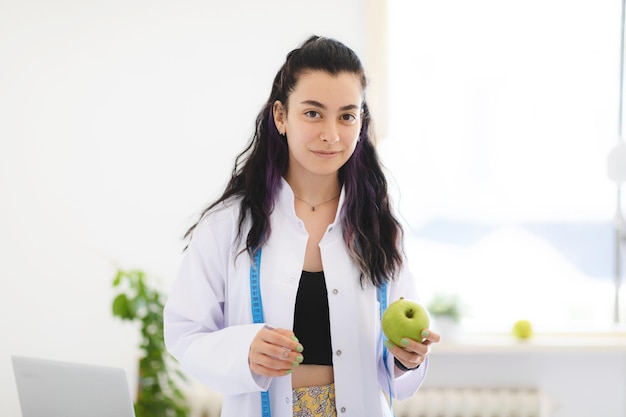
{"points": [[372, 234]]}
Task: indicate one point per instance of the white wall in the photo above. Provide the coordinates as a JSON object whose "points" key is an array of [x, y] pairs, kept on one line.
{"points": [[119, 121]]}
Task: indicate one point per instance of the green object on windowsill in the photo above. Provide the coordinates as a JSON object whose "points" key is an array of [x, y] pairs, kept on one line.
{"points": [[158, 393], [446, 305]]}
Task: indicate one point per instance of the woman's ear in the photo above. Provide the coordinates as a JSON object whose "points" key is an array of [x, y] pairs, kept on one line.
{"points": [[279, 116]]}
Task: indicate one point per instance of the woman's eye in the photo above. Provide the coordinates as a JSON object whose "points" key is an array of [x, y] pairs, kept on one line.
{"points": [[312, 113], [348, 117]]}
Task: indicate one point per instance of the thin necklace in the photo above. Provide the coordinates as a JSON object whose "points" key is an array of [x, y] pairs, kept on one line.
{"points": [[315, 205]]}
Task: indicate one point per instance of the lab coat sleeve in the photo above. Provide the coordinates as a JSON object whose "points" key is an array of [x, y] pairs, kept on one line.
{"points": [[407, 384], [194, 319]]}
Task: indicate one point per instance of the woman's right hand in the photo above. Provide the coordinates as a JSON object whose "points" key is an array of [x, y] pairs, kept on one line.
{"points": [[274, 352]]}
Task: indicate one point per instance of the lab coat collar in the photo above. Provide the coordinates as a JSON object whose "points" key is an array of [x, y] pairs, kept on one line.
{"points": [[285, 201]]}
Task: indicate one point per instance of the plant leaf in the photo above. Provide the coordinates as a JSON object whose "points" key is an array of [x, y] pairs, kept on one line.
{"points": [[118, 278], [121, 307]]}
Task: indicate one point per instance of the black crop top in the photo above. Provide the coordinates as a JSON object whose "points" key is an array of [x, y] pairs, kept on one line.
{"points": [[310, 322]]}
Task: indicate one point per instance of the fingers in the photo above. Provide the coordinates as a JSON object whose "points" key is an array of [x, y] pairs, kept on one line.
{"points": [[430, 336], [407, 357], [274, 352], [423, 347], [413, 353], [292, 342], [413, 361]]}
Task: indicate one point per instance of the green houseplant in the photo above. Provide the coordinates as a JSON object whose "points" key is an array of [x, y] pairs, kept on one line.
{"points": [[447, 313], [446, 305], [158, 393]]}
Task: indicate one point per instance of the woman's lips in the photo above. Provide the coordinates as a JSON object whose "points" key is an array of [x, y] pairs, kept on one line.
{"points": [[326, 154]]}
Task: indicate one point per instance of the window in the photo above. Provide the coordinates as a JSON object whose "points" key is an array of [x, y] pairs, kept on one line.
{"points": [[501, 117]]}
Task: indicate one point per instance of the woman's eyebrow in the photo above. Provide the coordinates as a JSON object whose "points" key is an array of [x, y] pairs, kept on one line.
{"points": [[316, 103]]}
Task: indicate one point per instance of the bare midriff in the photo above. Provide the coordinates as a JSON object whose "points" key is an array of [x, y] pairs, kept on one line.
{"points": [[312, 375]]}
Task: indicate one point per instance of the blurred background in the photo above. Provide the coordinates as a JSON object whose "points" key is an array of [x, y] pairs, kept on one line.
{"points": [[507, 113], [120, 121]]}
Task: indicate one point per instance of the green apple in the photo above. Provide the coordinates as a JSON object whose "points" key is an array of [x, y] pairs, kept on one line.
{"points": [[405, 318], [522, 329]]}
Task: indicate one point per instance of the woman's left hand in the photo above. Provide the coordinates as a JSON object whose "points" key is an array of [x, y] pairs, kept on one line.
{"points": [[413, 353]]}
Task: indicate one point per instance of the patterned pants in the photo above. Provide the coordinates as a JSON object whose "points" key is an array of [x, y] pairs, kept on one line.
{"points": [[317, 401]]}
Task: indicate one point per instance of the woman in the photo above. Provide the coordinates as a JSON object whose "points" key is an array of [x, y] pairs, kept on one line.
{"points": [[309, 198]]}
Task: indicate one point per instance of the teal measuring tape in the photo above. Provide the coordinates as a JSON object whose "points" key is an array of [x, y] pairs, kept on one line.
{"points": [[256, 303], [382, 302]]}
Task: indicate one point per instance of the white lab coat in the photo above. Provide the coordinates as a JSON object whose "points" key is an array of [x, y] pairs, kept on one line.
{"points": [[209, 327]]}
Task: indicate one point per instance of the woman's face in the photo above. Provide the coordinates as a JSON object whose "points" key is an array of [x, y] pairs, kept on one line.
{"points": [[322, 123]]}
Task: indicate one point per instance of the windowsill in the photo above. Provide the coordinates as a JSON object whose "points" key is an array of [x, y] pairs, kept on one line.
{"points": [[499, 342]]}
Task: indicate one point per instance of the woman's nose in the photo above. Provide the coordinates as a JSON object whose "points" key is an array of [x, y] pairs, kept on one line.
{"points": [[330, 133]]}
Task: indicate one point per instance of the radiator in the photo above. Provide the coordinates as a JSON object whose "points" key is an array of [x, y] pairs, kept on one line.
{"points": [[475, 402], [427, 402]]}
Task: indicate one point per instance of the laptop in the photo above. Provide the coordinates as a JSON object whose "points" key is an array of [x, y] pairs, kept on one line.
{"points": [[49, 388]]}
